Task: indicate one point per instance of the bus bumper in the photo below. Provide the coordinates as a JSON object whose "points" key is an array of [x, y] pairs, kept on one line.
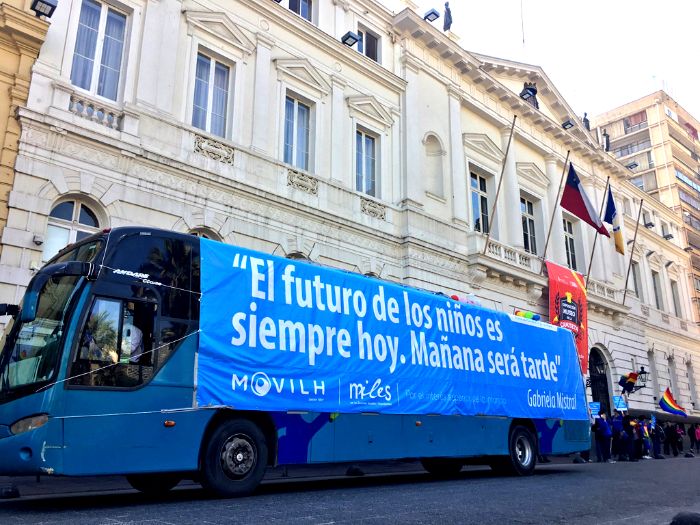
{"points": [[33, 452]]}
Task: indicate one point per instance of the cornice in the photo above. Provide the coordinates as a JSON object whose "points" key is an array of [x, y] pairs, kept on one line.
{"points": [[314, 36], [26, 31]]}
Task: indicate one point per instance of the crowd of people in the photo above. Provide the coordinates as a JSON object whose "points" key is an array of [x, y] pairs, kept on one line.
{"points": [[626, 438]]}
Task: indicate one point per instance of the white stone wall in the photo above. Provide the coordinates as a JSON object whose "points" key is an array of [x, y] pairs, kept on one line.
{"points": [[431, 105]]}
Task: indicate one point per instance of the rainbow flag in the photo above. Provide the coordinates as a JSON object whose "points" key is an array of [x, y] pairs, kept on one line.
{"points": [[668, 404]]}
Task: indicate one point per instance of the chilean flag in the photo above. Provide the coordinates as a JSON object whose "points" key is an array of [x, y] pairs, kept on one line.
{"points": [[576, 201]]}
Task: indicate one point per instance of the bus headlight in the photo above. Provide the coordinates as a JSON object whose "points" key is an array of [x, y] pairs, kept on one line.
{"points": [[29, 423]]}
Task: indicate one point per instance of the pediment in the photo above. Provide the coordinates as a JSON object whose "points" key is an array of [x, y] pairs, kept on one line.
{"points": [[220, 26], [655, 259], [512, 75], [368, 107], [481, 143], [302, 72], [530, 172]]}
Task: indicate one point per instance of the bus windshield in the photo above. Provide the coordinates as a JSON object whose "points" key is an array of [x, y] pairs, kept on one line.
{"points": [[30, 353], [30, 350]]}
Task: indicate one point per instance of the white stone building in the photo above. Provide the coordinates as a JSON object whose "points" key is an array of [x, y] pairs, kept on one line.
{"points": [[249, 121]]}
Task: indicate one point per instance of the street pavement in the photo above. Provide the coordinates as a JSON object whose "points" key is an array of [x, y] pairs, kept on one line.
{"points": [[646, 492]]}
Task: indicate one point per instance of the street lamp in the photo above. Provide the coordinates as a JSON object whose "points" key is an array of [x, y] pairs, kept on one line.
{"points": [[634, 381]]}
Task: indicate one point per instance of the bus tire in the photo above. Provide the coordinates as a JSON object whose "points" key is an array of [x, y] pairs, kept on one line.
{"points": [[153, 484], [522, 454], [442, 467], [234, 459]]}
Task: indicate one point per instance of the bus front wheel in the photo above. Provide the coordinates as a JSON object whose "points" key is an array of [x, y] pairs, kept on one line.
{"points": [[234, 459], [522, 453]]}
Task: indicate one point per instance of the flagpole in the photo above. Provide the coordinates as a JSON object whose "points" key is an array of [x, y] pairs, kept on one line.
{"points": [[554, 211], [595, 239], [634, 242], [500, 181]]}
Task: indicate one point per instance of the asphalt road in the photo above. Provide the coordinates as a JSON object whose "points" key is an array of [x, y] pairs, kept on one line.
{"points": [[647, 492]]}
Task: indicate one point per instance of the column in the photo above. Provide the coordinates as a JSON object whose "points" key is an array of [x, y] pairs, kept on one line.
{"points": [[340, 165], [412, 191], [508, 214], [158, 56], [262, 97], [556, 251], [458, 168]]}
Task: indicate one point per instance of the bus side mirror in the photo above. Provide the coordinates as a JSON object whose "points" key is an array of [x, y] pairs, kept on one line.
{"points": [[8, 309]]}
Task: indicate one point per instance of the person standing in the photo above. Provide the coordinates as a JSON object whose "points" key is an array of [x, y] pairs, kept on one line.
{"points": [[603, 435]]}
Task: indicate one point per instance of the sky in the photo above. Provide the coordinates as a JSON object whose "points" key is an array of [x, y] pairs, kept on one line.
{"points": [[599, 54]]}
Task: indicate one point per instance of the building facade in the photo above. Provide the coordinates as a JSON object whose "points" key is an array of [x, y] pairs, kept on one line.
{"points": [[253, 123], [657, 139], [21, 37]]}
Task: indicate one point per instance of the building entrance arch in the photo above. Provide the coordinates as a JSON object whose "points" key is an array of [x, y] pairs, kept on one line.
{"points": [[600, 391]]}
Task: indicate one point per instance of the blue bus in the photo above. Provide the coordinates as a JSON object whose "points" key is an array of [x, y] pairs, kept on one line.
{"points": [[164, 356]]}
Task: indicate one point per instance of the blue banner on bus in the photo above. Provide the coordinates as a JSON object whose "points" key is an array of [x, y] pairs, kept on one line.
{"points": [[282, 335]]}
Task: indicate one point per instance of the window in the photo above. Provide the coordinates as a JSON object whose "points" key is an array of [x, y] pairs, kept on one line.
{"points": [[368, 44], [696, 280], [480, 203], [569, 243], [366, 162], [635, 122], [296, 133], [211, 93], [69, 221], [636, 282], [656, 279], [302, 8], [676, 299], [116, 347], [527, 212], [101, 31]]}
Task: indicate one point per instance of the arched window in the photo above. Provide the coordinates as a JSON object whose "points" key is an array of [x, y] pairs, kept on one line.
{"points": [[69, 221], [205, 233]]}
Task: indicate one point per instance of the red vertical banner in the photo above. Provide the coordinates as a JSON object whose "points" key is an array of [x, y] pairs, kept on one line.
{"points": [[568, 307]]}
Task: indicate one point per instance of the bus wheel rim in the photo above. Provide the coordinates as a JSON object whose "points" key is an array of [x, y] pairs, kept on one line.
{"points": [[238, 456], [523, 450]]}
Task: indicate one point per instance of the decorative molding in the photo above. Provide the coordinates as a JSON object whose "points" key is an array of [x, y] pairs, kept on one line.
{"points": [[684, 326], [665, 318], [213, 149], [482, 144], [345, 4], [373, 208], [302, 181], [372, 265], [534, 293], [301, 71], [367, 107], [476, 275], [530, 172], [220, 26], [645, 310]]}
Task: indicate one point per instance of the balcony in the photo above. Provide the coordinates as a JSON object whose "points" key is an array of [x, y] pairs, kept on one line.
{"points": [[636, 127]]}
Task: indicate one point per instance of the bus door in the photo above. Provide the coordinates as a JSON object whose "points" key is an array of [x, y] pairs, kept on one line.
{"points": [[113, 420]]}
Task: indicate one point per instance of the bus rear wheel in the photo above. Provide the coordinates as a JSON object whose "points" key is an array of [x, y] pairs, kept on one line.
{"points": [[442, 467], [234, 459], [522, 453], [153, 484]]}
